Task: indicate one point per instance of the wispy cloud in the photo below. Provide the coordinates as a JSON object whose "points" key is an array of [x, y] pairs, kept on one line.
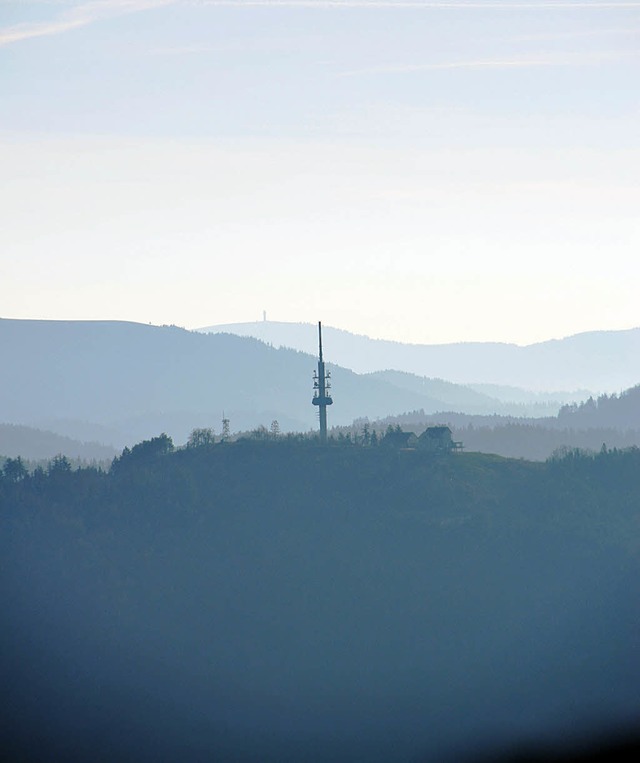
{"points": [[180, 50], [577, 34], [515, 63], [79, 15]]}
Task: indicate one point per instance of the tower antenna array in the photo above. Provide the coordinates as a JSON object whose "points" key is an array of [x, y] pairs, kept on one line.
{"points": [[321, 387]]}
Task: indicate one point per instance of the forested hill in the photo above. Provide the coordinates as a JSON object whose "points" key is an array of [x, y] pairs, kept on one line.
{"points": [[36, 444], [278, 601], [615, 411]]}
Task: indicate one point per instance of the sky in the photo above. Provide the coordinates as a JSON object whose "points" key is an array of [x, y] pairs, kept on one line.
{"points": [[418, 171]]}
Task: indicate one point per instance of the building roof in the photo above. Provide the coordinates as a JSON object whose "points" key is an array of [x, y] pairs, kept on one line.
{"points": [[436, 432], [398, 438]]}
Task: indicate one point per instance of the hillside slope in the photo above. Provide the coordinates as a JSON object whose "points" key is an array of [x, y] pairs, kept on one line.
{"points": [[599, 360], [282, 602], [38, 444], [448, 396], [618, 411]]}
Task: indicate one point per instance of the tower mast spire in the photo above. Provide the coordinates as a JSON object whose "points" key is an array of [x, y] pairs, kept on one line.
{"points": [[321, 386]]}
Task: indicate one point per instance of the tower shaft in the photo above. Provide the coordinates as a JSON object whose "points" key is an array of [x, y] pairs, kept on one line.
{"points": [[322, 410], [322, 385]]}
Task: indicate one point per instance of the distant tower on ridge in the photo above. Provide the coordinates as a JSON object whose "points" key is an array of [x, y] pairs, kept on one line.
{"points": [[226, 428], [321, 386]]}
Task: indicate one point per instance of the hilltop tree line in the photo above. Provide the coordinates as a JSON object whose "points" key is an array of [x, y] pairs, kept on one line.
{"points": [[348, 459], [615, 411]]}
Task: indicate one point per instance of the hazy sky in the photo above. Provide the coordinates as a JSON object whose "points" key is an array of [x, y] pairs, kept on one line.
{"points": [[422, 171]]}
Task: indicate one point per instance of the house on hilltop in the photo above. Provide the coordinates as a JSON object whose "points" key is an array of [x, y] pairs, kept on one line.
{"points": [[438, 439], [396, 438]]}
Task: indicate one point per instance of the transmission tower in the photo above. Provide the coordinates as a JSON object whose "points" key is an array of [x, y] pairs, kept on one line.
{"points": [[321, 387], [226, 428]]}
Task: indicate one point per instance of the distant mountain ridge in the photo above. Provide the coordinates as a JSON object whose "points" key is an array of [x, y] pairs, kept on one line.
{"points": [[598, 360], [119, 382]]}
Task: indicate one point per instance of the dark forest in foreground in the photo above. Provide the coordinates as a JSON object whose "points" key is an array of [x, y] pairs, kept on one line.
{"points": [[281, 601]]}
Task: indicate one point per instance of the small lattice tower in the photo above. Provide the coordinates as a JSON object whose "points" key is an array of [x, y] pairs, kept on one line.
{"points": [[226, 428]]}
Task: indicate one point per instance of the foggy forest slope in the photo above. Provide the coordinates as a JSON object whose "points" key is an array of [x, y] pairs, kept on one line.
{"points": [[19, 440], [282, 602]]}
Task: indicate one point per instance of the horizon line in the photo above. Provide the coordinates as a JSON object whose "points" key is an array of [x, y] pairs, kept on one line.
{"points": [[314, 325]]}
